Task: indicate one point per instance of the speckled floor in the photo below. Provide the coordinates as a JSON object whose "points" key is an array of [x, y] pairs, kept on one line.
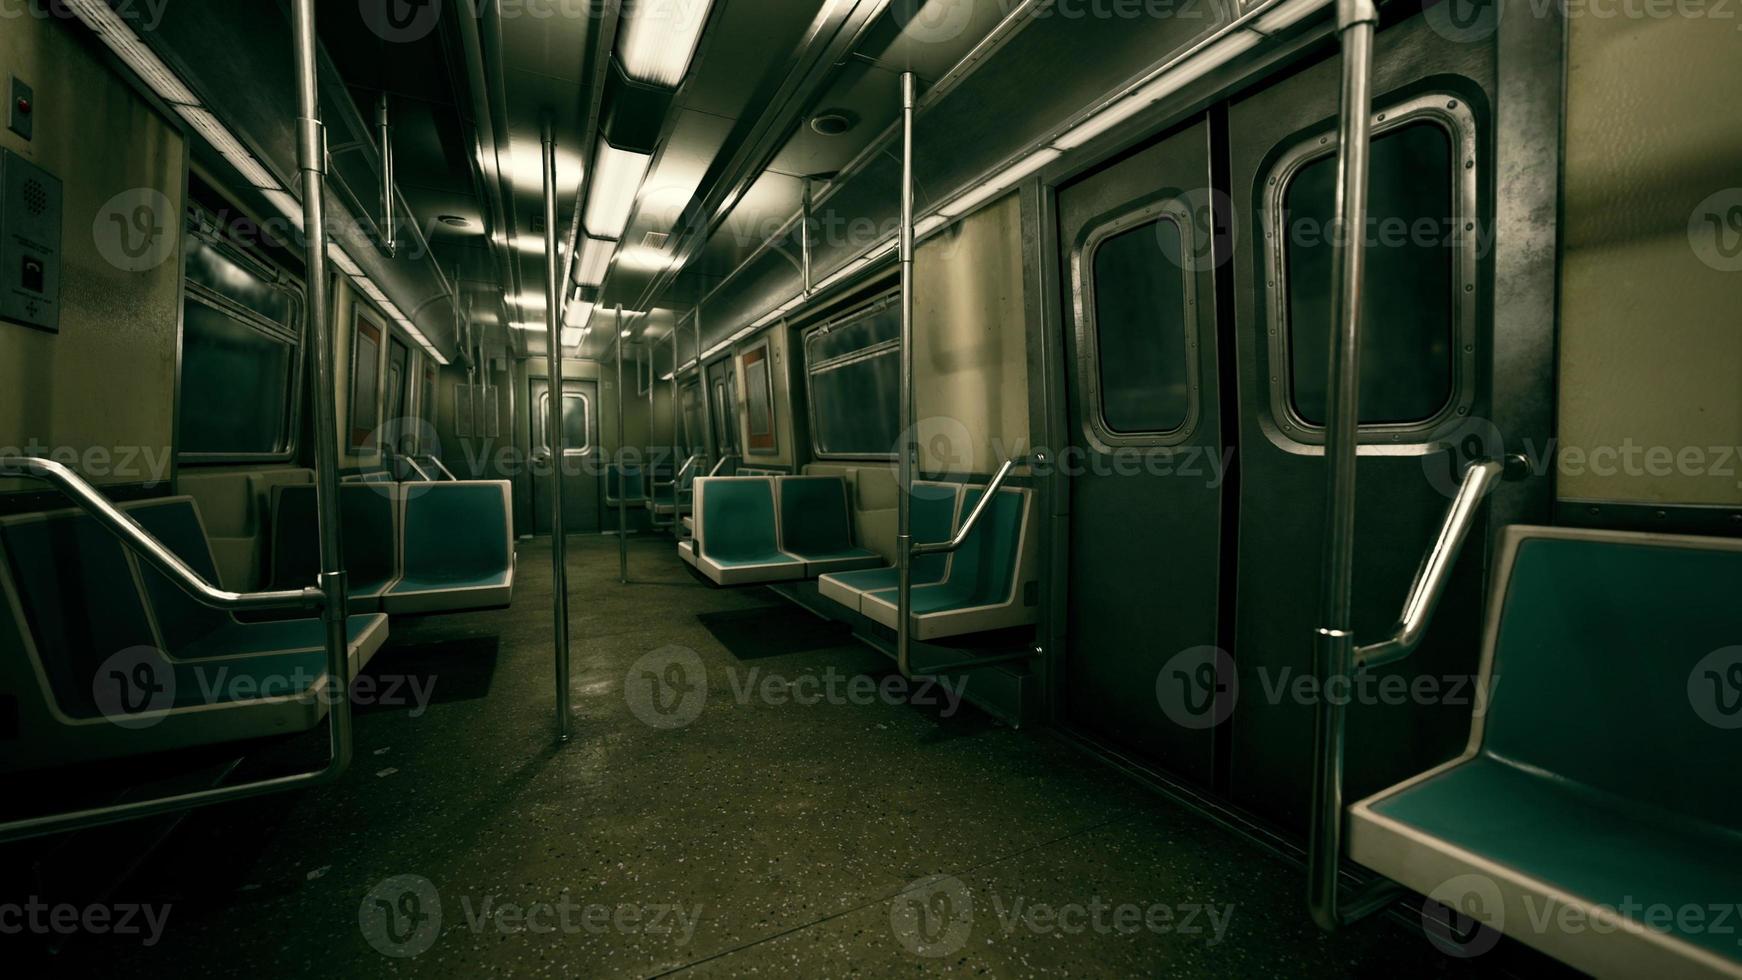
{"points": [[713, 815]]}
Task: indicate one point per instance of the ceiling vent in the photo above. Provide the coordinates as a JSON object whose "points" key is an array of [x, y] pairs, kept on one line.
{"points": [[655, 239], [833, 122]]}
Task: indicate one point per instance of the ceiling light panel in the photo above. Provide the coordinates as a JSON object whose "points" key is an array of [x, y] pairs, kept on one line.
{"points": [[657, 39], [617, 176], [595, 261]]}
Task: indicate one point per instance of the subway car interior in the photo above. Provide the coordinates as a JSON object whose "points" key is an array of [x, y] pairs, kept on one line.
{"points": [[995, 488]]}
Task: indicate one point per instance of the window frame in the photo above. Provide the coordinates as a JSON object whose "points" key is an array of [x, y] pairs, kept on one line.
{"points": [[1452, 113], [295, 333], [768, 443], [543, 419], [1101, 435], [361, 310], [811, 370]]}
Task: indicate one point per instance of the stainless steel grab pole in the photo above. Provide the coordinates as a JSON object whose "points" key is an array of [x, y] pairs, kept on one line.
{"points": [[311, 160], [554, 426], [1333, 649], [676, 450], [709, 449], [389, 216], [622, 469], [909, 443]]}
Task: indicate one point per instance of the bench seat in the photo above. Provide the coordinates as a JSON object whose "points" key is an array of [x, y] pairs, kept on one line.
{"points": [[816, 525], [369, 526], [456, 549], [188, 629], [78, 623], [932, 518], [737, 536], [984, 585], [1597, 803]]}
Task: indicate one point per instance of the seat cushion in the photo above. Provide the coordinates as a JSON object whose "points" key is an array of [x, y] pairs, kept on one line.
{"points": [[80, 600], [458, 543], [1507, 822], [367, 523]]}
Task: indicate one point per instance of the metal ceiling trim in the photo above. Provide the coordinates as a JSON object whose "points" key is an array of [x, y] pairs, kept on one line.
{"points": [[1012, 24]]}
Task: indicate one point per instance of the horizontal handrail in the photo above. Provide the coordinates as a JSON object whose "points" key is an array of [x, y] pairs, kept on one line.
{"points": [[153, 551], [1435, 572], [973, 521]]}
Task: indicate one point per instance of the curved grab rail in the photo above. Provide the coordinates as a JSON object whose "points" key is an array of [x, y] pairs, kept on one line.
{"points": [[973, 521], [147, 547], [440, 466], [904, 625], [722, 464], [1435, 572], [1339, 656]]}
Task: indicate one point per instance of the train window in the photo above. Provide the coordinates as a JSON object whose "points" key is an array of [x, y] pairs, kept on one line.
{"points": [[577, 424], [726, 408], [692, 417], [1416, 321], [367, 333], [398, 391], [759, 400], [241, 353], [853, 370], [1135, 297]]}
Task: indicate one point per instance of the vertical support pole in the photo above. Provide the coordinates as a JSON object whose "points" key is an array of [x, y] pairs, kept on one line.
{"points": [[622, 455], [1334, 642], [677, 449], [705, 390], [909, 439], [311, 153], [804, 237], [554, 428], [389, 216]]}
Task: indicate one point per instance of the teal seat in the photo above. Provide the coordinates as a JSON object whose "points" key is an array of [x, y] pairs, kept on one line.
{"points": [[816, 525], [71, 602], [457, 547], [80, 600], [737, 540], [982, 589], [1601, 775], [932, 518], [368, 523], [625, 484], [191, 630]]}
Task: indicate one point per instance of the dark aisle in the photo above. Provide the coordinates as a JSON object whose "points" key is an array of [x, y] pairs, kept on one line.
{"points": [[715, 814]]}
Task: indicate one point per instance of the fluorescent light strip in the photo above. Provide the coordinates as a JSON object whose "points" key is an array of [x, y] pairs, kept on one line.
{"points": [[573, 337], [578, 314], [342, 259], [595, 261], [656, 39], [208, 126], [617, 176], [1000, 184], [1199, 65], [127, 46]]}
